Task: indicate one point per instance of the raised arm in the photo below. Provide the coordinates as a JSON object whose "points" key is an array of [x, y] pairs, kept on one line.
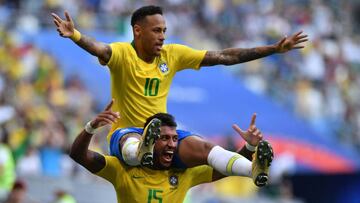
{"points": [[66, 29], [80, 152], [233, 56]]}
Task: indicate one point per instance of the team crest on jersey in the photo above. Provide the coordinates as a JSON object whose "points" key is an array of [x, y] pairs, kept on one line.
{"points": [[174, 180], [163, 67]]}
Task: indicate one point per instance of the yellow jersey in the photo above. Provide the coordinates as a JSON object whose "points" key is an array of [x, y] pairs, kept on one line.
{"points": [[141, 184], [140, 89]]}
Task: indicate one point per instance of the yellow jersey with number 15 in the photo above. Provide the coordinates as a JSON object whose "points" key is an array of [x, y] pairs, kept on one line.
{"points": [[140, 89], [141, 184]]}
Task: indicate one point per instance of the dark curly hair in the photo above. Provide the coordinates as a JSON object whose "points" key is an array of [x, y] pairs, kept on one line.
{"points": [[165, 118], [142, 12]]}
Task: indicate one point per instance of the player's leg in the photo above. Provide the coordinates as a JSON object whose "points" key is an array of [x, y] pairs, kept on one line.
{"points": [[135, 146], [194, 151], [124, 145], [129, 145], [145, 150]]}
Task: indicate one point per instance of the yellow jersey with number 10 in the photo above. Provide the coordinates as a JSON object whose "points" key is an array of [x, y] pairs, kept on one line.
{"points": [[140, 89]]}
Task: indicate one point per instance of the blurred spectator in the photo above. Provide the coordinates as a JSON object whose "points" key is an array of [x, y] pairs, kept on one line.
{"points": [[7, 168], [63, 197], [18, 193], [51, 153], [29, 164]]}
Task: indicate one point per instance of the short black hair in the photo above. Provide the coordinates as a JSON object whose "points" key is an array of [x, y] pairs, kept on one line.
{"points": [[144, 11], [165, 118]]}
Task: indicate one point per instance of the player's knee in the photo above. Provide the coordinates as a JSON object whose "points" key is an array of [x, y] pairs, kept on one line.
{"points": [[203, 151], [125, 137], [207, 146], [129, 150]]}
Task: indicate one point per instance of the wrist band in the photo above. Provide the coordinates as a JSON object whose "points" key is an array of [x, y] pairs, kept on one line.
{"points": [[250, 147], [89, 129], [76, 36]]}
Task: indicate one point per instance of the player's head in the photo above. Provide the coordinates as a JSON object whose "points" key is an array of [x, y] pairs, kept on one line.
{"points": [[165, 147], [149, 29]]}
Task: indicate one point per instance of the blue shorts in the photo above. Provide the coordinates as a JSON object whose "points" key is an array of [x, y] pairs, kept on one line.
{"points": [[118, 134]]}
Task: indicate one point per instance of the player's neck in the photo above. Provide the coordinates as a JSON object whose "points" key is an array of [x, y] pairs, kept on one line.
{"points": [[158, 166], [141, 53]]}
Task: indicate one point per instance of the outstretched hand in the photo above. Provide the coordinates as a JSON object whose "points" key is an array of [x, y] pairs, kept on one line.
{"points": [[105, 117], [292, 42], [252, 135], [64, 27]]}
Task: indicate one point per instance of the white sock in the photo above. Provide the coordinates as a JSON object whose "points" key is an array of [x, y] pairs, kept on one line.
{"points": [[229, 163], [129, 151]]}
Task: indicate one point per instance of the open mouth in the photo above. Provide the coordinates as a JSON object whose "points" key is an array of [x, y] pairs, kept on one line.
{"points": [[168, 155], [158, 46]]}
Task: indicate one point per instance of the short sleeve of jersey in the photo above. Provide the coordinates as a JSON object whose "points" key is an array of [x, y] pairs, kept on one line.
{"points": [[111, 169], [187, 57], [201, 174], [117, 51]]}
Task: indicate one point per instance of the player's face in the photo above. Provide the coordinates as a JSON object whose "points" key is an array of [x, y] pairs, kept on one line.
{"points": [[165, 147], [152, 34]]}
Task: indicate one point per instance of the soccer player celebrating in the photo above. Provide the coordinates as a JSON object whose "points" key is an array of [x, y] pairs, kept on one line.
{"points": [[141, 75], [159, 182]]}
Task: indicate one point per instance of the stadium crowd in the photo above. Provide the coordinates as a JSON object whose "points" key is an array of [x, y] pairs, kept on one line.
{"points": [[41, 111]]}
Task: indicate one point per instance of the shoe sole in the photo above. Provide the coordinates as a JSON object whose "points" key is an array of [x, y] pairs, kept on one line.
{"points": [[265, 155], [153, 132], [147, 159]]}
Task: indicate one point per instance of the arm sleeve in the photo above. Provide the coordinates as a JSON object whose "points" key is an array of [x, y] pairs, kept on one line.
{"points": [[116, 56], [188, 57], [201, 174], [111, 169]]}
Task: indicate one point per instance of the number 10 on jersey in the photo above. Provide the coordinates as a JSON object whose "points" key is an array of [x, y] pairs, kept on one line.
{"points": [[151, 86]]}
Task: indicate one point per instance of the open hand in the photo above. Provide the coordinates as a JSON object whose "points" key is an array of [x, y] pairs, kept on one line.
{"points": [[64, 27], [292, 42], [105, 117], [252, 135]]}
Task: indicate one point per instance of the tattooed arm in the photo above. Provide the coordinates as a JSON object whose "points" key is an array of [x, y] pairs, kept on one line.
{"points": [[236, 55], [99, 49], [233, 56], [80, 152], [66, 29]]}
